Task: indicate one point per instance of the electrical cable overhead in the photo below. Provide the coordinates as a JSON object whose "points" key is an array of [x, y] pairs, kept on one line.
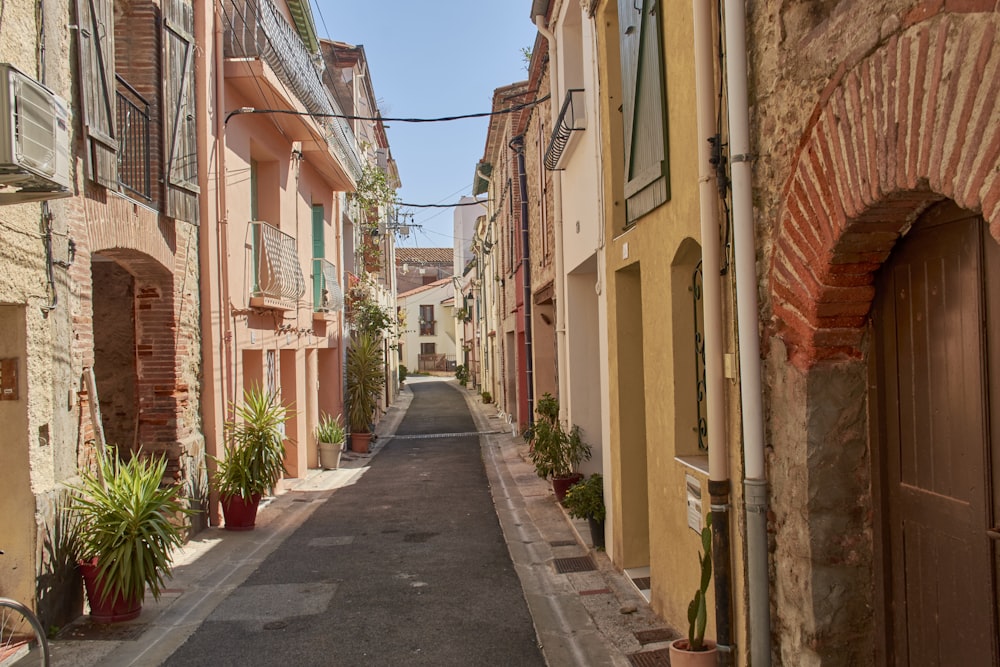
{"points": [[440, 119]]}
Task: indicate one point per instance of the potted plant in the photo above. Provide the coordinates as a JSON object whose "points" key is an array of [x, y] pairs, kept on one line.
{"points": [[365, 379], [585, 500], [330, 436], [555, 452], [127, 524], [694, 650], [255, 457]]}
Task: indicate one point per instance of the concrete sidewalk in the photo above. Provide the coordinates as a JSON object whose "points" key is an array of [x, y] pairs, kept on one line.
{"points": [[581, 618]]}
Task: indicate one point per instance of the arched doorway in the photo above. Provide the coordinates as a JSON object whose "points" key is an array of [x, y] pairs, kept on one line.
{"points": [[937, 298], [115, 370]]}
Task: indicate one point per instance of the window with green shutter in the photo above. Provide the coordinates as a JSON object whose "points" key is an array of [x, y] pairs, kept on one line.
{"points": [[647, 177]]}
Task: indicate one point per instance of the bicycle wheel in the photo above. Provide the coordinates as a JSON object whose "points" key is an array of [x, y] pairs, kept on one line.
{"points": [[22, 638]]}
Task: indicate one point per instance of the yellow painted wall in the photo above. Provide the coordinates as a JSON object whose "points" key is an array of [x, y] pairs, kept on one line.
{"points": [[648, 486]]}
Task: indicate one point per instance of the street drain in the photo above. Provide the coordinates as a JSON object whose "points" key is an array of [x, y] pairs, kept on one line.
{"points": [[276, 625], [653, 636], [658, 658], [562, 543], [578, 564], [427, 436]]}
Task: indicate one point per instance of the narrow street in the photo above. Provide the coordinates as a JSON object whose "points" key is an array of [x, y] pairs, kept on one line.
{"points": [[437, 549], [406, 567]]}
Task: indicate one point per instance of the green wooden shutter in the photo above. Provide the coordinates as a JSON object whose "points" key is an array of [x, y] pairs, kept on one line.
{"points": [[96, 46], [647, 182], [319, 252], [179, 131]]}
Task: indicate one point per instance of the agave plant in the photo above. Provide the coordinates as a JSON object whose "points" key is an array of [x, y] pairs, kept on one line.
{"points": [[129, 522], [255, 448]]}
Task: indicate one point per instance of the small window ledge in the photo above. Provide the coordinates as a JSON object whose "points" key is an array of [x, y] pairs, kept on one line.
{"points": [[697, 462]]}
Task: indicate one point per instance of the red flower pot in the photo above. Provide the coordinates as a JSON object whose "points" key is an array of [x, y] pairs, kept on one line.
{"points": [[560, 485], [239, 513], [360, 442], [105, 608]]}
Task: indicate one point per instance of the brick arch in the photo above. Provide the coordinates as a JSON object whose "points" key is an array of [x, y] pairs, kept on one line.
{"points": [[161, 394], [912, 123]]}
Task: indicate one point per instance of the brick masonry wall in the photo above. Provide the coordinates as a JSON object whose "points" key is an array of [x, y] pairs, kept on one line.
{"points": [[863, 115]]}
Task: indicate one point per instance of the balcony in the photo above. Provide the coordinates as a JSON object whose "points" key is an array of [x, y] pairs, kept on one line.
{"points": [[277, 276], [327, 295], [255, 29], [572, 117], [132, 121]]}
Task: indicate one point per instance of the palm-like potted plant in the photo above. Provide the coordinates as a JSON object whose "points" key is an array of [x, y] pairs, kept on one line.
{"points": [[330, 436], [554, 451], [365, 379], [694, 650], [255, 457], [127, 525], [585, 500]]}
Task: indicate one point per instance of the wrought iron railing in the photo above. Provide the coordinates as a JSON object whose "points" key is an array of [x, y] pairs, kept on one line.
{"points": [[132, 116], [256, 29], [277, 276], [327, 295], [701, 383], [572, 117]]}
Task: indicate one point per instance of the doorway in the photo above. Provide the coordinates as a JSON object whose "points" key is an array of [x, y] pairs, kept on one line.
{"points": [[934, 363]]}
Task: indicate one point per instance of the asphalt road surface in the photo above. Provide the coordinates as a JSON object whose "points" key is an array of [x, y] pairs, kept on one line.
{"points": [[408, 566]]}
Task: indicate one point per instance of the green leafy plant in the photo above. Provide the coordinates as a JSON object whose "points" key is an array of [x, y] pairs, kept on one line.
{"points": [[402, 373], [129, 522], [554, 451], [698, 609], [255, 448], [461, 374], [330, 430], [585, 499], [364, 313], [365, 379], [487, 397]]}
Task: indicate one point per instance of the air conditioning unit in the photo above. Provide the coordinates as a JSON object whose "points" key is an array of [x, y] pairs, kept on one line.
{"points": [[34, 139]]}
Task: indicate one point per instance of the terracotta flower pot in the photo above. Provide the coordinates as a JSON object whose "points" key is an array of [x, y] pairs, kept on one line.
{"points": [[240, 514], [560, 485], [105, 608], [680, 656], [361, 442]]}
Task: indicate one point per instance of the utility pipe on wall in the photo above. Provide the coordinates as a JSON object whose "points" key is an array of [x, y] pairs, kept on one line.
{"points": [[538, 11], [755, 483], [718, 455], [529, 361]]}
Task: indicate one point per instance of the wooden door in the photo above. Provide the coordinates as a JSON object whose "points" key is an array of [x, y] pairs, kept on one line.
{"points": [[932, 317]]}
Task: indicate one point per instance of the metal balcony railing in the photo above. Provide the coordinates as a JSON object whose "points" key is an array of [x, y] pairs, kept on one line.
{"points": [[572, 117], [256, 29], [277, 276], [327, 295], [132, 121]]}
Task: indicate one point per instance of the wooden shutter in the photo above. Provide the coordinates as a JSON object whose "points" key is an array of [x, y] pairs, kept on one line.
{"points": [[647, 183], [96, 45], [179, 132]]}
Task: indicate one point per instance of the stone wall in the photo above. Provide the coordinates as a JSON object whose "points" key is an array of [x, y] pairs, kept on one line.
{"points": [[863, 115]]}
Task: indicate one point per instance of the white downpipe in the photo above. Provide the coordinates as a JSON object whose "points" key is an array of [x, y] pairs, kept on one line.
{"points": [[755, 483], [718, 463], [562, 363]]}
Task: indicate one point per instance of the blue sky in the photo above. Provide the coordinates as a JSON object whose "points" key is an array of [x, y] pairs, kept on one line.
{"points": [[430, 59]]}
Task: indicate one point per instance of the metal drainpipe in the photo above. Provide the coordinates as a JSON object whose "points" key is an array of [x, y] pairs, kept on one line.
{"points": [[718, 455], [517, 143], [562, 364], [748, 316]]}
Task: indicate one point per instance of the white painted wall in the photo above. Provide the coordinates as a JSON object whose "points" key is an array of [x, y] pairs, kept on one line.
{"points": [[434, 294]]}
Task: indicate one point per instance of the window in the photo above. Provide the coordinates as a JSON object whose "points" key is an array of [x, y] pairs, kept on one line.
{"points": [[427, 323], [428, 348], [644, 109]]}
